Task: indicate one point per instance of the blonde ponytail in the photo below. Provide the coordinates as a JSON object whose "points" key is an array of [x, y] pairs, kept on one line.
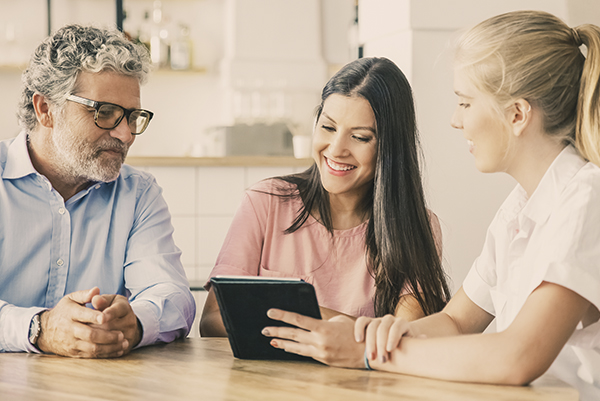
{"points": [[533, 55], [587, 133]]}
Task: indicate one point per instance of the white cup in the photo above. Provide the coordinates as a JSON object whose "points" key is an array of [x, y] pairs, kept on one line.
{"points": [[302, 146]]}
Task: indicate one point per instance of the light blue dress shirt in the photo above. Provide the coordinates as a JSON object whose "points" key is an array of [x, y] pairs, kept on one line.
{"points": [[116, 236]]}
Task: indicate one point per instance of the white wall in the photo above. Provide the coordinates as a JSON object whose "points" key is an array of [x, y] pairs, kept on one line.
{"points": [[10, 86], [270, 45], [18, 38], [418, 36]]}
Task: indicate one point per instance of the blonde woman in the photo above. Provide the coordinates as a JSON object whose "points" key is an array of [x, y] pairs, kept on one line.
{"points": [[528, 105]]}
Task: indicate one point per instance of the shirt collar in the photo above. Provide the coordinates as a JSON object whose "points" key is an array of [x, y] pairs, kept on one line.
{"points": [[18, 162], [539, 206]]}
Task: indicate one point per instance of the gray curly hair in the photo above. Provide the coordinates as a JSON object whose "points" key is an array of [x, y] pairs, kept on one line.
{"points": [[57, 61]]}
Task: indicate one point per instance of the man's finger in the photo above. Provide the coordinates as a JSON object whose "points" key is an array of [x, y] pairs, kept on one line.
{"points": [[81, 314], [101, 302], [84, 349], [84, 296], [119, 309], [295, 319], [97, 335]]}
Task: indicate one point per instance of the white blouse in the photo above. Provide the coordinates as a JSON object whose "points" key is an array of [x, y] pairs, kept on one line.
{"points": [[552, 236]]}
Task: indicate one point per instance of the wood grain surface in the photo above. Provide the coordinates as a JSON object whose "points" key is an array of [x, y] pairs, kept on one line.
{"points": [[205, 369]]}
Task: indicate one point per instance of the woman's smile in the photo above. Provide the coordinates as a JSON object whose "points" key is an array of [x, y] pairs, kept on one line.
{"points": [[338, 168]]}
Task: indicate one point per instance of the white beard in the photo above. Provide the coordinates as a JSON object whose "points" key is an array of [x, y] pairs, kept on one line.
{"points": [[75, 158]]}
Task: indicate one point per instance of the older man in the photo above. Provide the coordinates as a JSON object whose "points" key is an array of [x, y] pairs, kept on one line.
{"points": [[88, 266]]}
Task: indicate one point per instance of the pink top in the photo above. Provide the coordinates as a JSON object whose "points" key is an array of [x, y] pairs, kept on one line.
{"points": [[336, 266]]}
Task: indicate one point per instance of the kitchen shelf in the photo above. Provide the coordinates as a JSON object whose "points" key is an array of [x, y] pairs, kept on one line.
{"points": [[227, 161], [12, 67], [169, 71]]}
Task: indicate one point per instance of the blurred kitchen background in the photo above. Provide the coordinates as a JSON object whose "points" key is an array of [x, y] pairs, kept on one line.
{"points": [[235, 80]]}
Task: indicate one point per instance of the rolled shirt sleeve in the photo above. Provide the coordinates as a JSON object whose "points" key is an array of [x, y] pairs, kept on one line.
{"points": [[482, 277]]}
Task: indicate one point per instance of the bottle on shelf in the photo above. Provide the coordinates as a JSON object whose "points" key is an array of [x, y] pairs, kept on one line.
{"points": [[181, 49], [159, 38], [355, 47], [145, 30]]}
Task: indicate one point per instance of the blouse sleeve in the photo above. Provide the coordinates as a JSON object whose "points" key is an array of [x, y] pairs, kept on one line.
{"points": [[571, 255], [482, 277]]}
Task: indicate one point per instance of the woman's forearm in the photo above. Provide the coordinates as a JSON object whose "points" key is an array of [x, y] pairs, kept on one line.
{"points": [[483, 358], [211, 325], [460, 316], [436, 325], [516, 355]]}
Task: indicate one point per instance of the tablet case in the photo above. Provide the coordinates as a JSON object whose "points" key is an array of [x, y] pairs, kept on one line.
{"points": [[244, 302]]}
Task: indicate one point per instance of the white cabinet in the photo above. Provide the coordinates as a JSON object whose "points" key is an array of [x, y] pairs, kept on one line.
{"points": [[202, 201]]}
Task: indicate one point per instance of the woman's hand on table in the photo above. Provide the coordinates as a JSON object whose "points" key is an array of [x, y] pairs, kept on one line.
{"points": [[381, 335], [329, 341]]}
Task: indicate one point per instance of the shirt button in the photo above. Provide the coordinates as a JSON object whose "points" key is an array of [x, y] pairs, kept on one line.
{"points": [[60, 262], [98, 186], [61, 210]]}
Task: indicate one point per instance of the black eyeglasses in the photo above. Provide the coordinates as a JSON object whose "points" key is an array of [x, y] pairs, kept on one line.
{"points": [[109, 115]]}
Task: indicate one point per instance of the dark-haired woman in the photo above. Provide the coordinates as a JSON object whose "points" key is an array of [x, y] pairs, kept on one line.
{"points": [[527, 105], [355, 224]]}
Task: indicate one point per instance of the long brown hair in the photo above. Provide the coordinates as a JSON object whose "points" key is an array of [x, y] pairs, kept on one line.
{"points": [[401, 251]]}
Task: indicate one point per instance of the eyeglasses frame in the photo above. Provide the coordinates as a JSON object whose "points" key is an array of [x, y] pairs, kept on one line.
{"points": [[96, 106]]}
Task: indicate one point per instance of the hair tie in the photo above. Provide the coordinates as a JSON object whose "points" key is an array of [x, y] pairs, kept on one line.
{"points": [[576, 37]]}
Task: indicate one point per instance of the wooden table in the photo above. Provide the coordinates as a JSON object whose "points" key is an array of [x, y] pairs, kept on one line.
{"points": [[204, 369]]}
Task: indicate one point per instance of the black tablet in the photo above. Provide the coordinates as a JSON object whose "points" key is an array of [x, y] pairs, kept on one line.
{"points": [[244, 302]]}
